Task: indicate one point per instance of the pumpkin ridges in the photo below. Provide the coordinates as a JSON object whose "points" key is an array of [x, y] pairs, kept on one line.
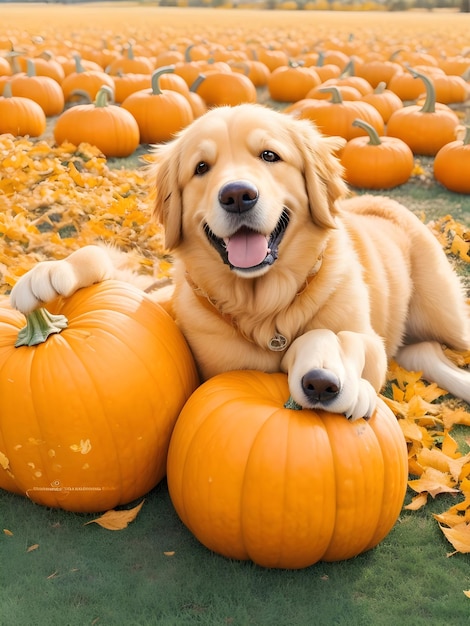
{"points": [[356, 487], [279, 513], [122, 403], [392, 452], [278, 540]]}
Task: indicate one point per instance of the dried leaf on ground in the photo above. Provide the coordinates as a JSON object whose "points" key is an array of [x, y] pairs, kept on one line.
{"points": [[117, 520]]}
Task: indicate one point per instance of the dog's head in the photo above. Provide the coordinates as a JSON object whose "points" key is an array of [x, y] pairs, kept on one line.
{"points": [[239, 178]]}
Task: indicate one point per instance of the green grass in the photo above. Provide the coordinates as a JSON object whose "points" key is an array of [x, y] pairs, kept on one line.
{"points": [[87, 575], [84, 575]]}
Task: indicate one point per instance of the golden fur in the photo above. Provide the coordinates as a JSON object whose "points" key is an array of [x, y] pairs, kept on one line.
{"points": [[355, 281]]}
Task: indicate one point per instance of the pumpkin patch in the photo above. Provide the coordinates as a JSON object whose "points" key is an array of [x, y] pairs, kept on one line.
{"points": [[58, 193]]}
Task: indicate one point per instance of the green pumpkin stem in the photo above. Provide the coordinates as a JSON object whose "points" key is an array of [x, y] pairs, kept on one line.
{"points": [[197, 82], [466, 139], [39, 325], [167, 69], [104, 96], [292, 404], [374, 138], [335, 94], [429, 105]]}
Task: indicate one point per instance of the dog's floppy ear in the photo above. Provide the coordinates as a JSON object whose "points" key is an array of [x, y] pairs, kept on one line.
{"points": [[168, 202], [322, 171]]}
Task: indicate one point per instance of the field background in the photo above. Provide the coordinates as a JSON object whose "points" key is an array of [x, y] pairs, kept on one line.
{"points": [[56, 571]]}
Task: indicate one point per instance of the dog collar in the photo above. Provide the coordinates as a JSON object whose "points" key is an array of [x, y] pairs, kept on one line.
{"points": [[278, 342]]}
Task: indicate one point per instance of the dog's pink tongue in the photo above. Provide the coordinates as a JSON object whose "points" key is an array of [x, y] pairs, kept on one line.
{"points": [[246, 248]]}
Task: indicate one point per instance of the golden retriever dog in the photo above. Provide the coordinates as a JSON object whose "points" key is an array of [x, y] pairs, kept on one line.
{"points": [[276, 271]]}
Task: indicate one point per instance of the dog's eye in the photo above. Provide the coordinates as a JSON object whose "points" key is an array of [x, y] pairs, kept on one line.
{"points": [[201, 168], [269, 156]]}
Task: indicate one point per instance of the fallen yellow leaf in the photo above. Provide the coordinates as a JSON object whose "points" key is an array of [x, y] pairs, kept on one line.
{"points": [[33, 547], [434, 482], [7, 532], [458, 536], [117, 520], [417, 502]]}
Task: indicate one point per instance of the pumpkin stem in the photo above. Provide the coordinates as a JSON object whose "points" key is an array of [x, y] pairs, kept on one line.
{"points": [[374, 139], [292, 404], [466, 139], [78, 64], [39, 325], [429, 105], [197, 82], [244, 66], [7, 93], [130, 51], [381, 87], [104, 96], [187, 53], [30, 68], [348, 69], [335, 94], [167, 69]]}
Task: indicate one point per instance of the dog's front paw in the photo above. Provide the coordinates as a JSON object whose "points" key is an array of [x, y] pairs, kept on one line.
{"points": [[42, 284], [50, 279], [365, 402]]}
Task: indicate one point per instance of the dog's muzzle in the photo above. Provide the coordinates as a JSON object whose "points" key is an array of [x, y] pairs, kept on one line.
{"points": [[246, 249]]}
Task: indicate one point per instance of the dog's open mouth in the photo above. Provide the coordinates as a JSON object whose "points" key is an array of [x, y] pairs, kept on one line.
{"points": [[248, 249]]}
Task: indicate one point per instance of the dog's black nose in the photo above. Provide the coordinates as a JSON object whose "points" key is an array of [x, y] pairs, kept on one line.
{"points": [[320, 385], [238, 196]]}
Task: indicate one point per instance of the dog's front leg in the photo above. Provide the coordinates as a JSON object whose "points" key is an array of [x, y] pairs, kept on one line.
{"points": [[341, 373], [50, 279]]}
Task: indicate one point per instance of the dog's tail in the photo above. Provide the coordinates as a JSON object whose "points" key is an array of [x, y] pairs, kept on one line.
{"points": [[428, 358]]}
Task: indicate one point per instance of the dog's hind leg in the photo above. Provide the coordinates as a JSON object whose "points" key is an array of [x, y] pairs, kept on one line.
{"points": [[427, 357]]}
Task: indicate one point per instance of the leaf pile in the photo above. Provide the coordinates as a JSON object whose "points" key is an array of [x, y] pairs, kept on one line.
{"points": [[56, 199]]}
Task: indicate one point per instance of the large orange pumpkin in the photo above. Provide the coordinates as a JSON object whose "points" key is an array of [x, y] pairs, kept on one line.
{"points": [[86, 415], [252, 479]]}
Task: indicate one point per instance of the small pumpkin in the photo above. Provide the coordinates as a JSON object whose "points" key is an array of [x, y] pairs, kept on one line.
{"points": [[160, 113], [424, 128], [336, 116], [88, 401], [292, 82], [20, 116], [125, 84], [375, 162], [128, 63], [42, 89], [107, 126], [84, 80], [253, 479], [226, 89], [452, 164], [384, 100], [378, 71]]}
